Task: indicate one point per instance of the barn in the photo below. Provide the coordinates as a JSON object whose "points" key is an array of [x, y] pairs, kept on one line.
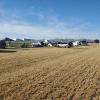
{"points": [[5, 42]]}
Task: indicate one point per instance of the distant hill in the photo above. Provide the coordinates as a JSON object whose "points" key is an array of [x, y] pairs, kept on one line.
{"points": [[51, 40]]}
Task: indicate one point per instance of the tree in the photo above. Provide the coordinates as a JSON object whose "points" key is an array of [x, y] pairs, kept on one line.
{"points": [[96, 41], [25, 45], [44, 44], [70, 44]]}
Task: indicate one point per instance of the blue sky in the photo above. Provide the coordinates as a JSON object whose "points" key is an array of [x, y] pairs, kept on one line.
{"points": [[49, 19]]}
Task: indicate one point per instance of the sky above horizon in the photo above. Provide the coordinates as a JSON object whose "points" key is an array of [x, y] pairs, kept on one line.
{"points": [[50, 19]]}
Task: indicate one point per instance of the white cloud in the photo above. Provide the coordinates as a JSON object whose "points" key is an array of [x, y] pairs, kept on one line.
{"points": [[54, 28]]}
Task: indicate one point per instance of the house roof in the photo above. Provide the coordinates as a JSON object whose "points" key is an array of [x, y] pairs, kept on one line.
{"points": [[8, 39]]}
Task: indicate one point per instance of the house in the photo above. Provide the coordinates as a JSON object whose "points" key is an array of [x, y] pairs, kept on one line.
{"points": [[76, 43], [8, 39], [36, 44], [62, 45], [84, 43], [49, 45]]}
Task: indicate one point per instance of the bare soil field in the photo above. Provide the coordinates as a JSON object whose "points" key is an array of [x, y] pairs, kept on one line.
{"points": [[51, 74]]}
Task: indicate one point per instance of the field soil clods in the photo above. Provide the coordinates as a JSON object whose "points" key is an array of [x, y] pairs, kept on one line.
{"points": [[51, 74]]}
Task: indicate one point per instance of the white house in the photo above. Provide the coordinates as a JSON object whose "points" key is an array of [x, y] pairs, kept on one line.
{"points": [[36, 44], [62, 45]]}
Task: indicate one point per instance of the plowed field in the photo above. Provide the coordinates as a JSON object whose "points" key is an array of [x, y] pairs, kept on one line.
{"points": [[51, 74]]}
